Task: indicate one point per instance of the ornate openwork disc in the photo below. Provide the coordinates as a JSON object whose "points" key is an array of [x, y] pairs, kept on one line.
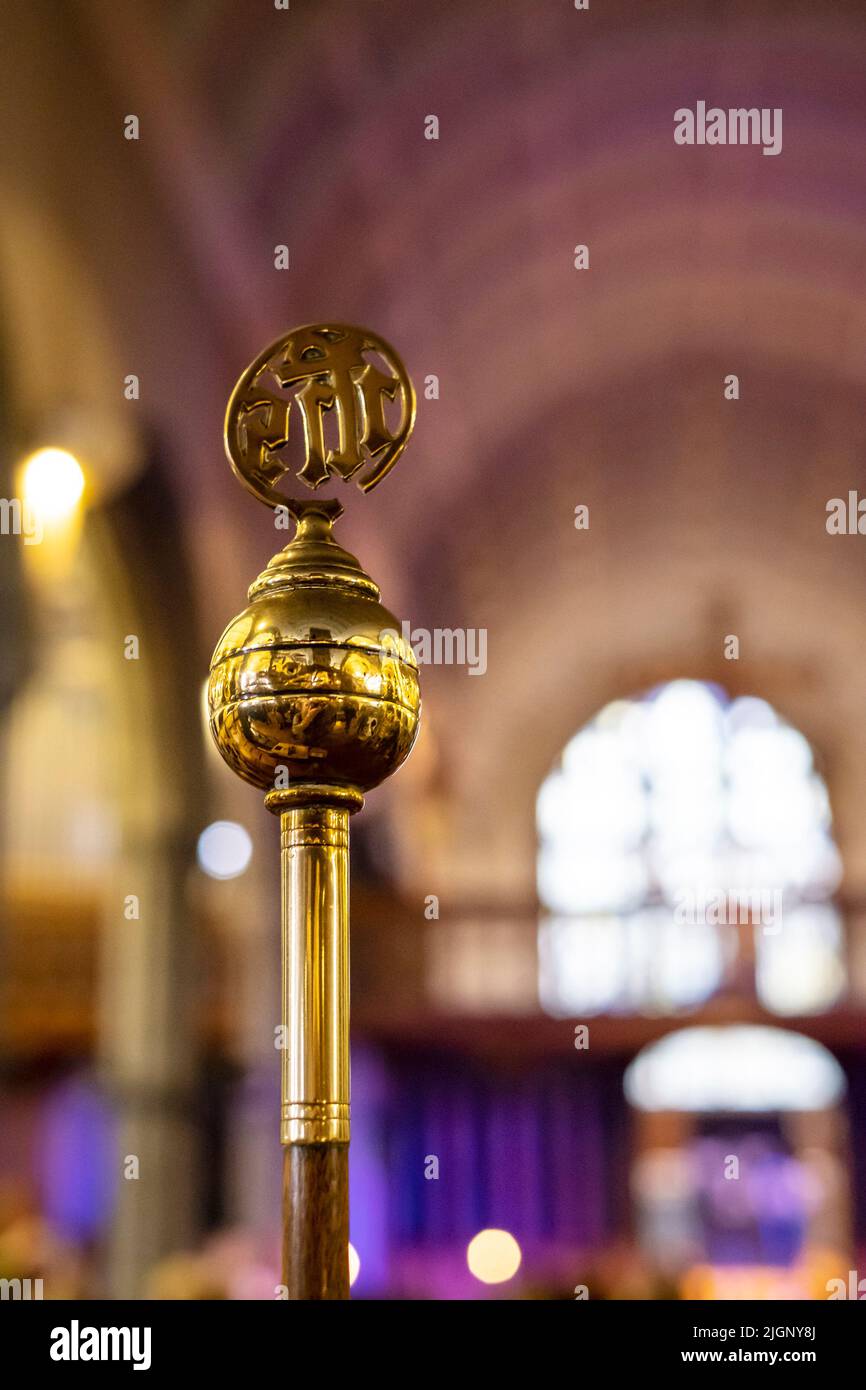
{"points": [[324, 399]]}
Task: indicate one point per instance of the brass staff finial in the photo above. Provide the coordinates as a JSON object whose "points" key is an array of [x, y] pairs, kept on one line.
{"points": [[314, 697]]}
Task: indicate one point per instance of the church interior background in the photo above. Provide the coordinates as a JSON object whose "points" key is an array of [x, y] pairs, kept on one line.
{"points": [[544, 1044]]}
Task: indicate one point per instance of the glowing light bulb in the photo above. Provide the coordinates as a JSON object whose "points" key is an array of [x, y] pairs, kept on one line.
{"points": [[52, 484], [354, 1264], [493, 1256]]}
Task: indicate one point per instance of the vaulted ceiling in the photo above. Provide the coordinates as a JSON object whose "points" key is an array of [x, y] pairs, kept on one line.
{"points": [[557, 386]]}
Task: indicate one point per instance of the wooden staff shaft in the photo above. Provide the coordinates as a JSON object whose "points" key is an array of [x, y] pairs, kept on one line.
{"points": [[316, 1221]]}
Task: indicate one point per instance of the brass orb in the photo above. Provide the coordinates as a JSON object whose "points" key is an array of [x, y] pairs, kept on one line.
{"points": [[312, 683]]}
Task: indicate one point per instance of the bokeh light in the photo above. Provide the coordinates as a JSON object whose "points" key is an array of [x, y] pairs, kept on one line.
{"points": [[224, 849], [53, 482], [493, 1256], [734, 1069]]}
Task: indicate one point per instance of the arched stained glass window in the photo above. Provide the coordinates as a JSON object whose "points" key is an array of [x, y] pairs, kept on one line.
{"points": [[670, 821]]}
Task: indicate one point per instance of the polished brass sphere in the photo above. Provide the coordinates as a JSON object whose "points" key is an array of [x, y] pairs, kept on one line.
{"points": [[312, 683]]}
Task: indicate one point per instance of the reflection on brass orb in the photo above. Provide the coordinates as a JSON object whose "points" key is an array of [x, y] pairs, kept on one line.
{"points": [[313, 676]]}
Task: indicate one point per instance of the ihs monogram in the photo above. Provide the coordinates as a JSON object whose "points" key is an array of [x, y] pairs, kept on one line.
{"points": [[323, 367]]}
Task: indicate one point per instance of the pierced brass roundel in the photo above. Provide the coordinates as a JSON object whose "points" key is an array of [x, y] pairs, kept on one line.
{"points": [[325, 399]]}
